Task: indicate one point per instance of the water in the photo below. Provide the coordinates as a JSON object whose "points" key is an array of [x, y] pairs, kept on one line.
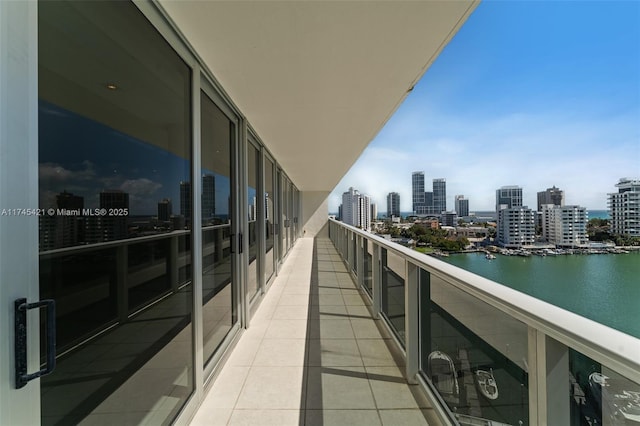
{"points": [[604, 288]]}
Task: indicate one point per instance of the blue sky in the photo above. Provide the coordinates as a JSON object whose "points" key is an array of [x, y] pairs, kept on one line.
{"points": [[528, 93]]}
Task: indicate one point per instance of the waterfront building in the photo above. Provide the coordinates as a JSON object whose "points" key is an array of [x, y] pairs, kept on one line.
{"points": [[417, 192], [565, 226], [374, 211], [552, 195], [624, 208], [462, 206], [393, 204], [511, 196], [516, 226], [439, 195]]}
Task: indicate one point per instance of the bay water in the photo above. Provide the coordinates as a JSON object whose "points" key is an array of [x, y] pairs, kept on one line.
{"points": [[604, 288]]}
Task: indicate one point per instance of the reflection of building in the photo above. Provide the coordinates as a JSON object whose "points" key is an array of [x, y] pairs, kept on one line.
{"points": [[208, 196], [564, 226], [624, 208], [267, 204], [59, 230], [164, 210], [252, 210], [462, 206], [185, 200], [393, 204], [114, 199]]}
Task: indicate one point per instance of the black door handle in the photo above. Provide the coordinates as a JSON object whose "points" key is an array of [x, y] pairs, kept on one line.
{"points": [[20, 339]]}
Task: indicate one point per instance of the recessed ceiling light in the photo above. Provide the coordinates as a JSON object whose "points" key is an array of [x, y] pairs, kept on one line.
{"points": [[111, 86]]}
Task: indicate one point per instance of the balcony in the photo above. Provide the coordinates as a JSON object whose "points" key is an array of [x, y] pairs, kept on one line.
{"points": [[359, 330]]}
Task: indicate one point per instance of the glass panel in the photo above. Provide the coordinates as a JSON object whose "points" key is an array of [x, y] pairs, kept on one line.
{"points": [[114, 151], [367, 267], [393, 279], [253, 158], [474, 355], [284, 212], [354, 253], [219, 306], [599, 395], [269, 216]]}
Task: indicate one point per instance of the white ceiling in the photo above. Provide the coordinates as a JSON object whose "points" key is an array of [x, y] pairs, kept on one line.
{"points": [[317, 80]]}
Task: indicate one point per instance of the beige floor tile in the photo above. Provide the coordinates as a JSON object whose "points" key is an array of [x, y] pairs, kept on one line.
{"points": [[342, 418], [266, 418], [281, 352], [403, 418], [333, 353], [331, 329], [291, 312], [287, 329], [273, 388], [338, 388], [375, 353]]}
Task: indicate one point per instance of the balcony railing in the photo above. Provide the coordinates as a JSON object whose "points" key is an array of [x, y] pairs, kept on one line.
{"points": [[489, 354]]}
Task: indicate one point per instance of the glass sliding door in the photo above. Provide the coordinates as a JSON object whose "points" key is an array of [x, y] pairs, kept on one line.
{"points": [[269, 200], [254, 211], [115, 245], [219, 293]]}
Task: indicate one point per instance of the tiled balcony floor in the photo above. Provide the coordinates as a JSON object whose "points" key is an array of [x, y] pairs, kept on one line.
{"points": [[313, 356]]}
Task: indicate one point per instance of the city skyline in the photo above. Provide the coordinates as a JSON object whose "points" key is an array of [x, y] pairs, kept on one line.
{"points": [[532, 94]]}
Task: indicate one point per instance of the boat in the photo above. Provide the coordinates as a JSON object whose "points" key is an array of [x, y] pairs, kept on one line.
{"points": [[442, 373], [487, 383], [489, 256]]}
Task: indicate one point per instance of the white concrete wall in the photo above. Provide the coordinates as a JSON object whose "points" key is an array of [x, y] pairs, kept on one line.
{"points": [[315, 211]]}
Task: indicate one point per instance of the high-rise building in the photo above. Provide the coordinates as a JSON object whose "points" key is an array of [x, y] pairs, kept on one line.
{"points": [[185, 200], [516, 226], [624, 208], [449, 218], [462, 206], [208, 196], [374, 211], [417, 191], [68, 201], [553, 196], [511, 196], [428, 204], [565, 226], [114, 199], [393, 204], [164, 210], [356, 209], [439, 195]]}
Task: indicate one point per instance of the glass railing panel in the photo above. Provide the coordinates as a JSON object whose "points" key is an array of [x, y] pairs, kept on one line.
{"points": [[148, 272], [367, 265], [600, 395], [473, 355], [393, 283], [354, 252]]}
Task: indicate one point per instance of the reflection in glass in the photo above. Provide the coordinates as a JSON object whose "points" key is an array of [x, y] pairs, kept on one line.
{"points": [[393, 280], [114, 153], [269, 217], [474, 355], [600, 395], [367, 266], [253, 284], [114, 166], [218, 298], [354, 248]]}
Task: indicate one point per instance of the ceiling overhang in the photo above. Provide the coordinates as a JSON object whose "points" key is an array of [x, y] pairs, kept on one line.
{"points": [[317, 80]]}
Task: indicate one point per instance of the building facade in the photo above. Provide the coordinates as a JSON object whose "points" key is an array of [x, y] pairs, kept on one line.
{"points": [[565, 226], [510, 196], [516, 227], [393, 204], [462, 206], [417, 192], [356, 209], [439, 195], [552, 196], [624, 208]]}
